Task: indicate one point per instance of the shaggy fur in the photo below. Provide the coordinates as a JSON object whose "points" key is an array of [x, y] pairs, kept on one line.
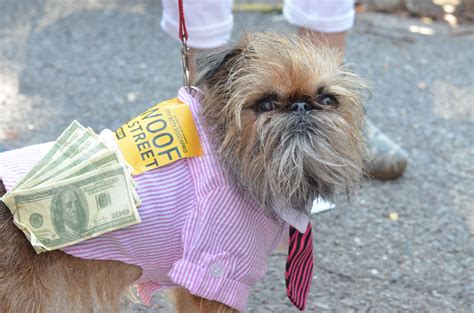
{"points": [[281, 157]]}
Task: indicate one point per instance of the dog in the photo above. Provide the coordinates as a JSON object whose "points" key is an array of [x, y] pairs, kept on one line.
{"points": [[283, 119]]}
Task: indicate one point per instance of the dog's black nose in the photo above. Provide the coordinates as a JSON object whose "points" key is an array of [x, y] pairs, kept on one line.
{"points": [[301, 107]]}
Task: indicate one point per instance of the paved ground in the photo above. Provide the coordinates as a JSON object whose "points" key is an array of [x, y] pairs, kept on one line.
{"points": [[102, 62]]}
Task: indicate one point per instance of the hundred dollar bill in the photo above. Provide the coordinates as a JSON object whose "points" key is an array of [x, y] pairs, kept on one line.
{"points": [[78, 167], [68, 136], [101, 159], [64, 213], [108, 137], [84, 147], [64, 164], [91, 155]]}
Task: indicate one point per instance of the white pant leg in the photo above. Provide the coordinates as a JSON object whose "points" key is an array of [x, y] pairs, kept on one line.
{"points": [[209, 22], [328, 16]]}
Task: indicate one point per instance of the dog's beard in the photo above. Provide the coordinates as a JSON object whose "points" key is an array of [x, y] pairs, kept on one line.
{"points": [[285, 160]]}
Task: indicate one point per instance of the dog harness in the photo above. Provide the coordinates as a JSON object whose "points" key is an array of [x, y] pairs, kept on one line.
{"points": [[197, 230]]}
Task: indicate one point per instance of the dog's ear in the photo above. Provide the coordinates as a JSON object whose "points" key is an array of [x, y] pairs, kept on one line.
{"points": [[213, 66]]}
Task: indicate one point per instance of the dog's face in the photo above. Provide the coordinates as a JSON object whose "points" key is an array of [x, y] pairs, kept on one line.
{"points": [[285, 118]]}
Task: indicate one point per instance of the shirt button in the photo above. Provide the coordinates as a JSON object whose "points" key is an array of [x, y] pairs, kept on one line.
{"points": [[216, 270]]}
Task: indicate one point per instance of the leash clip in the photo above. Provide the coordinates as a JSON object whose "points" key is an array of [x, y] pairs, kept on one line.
{"points": [[185, 62]]}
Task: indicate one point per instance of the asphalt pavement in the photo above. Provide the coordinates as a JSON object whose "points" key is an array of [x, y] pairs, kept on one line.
{"points": [[104, 62]]}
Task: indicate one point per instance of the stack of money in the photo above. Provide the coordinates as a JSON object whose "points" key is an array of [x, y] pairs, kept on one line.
{"points": [[80, 189]]}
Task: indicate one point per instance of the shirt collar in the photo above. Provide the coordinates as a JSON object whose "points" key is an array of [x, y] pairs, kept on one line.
{"points": [[295, 218], [300, 220]]}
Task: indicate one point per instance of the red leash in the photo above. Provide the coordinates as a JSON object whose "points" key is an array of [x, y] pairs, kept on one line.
{"points": [[183, 36], [183, 32]]}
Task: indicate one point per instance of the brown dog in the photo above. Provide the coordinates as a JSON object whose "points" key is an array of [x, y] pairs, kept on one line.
{"points": [[285, 119]]}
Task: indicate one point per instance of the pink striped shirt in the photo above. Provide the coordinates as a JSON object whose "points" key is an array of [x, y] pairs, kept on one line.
{"points": [[197, 231]]}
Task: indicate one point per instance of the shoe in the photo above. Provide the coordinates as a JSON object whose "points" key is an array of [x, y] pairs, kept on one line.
{"points": [[388, 161]]}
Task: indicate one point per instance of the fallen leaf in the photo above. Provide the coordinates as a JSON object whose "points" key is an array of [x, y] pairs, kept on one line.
{"points": [[422, 85], [393, 216]]}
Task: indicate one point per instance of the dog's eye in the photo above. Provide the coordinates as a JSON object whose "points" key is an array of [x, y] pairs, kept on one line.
{"points": [[327, 100], [266, 106]]}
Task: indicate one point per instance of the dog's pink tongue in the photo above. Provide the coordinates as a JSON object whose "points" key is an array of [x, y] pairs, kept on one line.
{"points": [[299, 266]]}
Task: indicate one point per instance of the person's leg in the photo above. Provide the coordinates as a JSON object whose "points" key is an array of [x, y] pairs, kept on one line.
{"points": [[209, 24], [326, 22]]}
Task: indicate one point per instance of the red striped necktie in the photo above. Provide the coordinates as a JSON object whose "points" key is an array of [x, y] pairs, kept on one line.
{"points": [[299, 266]]}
